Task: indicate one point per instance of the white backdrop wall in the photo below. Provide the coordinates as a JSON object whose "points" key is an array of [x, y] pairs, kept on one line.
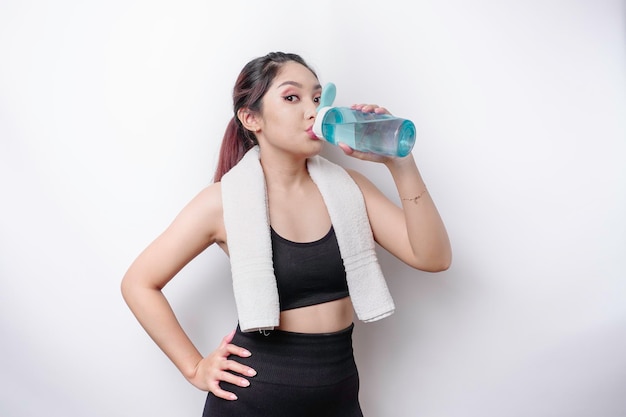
{"points": [[111, 115]]}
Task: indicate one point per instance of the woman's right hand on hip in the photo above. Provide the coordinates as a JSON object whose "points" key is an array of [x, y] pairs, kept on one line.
{"points": [[216, 367]]}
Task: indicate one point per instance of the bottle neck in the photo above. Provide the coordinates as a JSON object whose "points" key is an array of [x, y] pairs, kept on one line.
{"points": [[319, 120]]}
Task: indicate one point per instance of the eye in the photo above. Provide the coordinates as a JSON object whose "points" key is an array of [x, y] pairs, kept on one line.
{"points": [[291, 98], [317, 99]]}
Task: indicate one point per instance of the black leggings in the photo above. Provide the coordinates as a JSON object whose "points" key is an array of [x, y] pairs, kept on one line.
{"points": [[298, 375]]}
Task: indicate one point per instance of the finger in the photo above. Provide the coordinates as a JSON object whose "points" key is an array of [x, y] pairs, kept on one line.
{"points": [[381, 110], [351, 151], [366, 108], [233, 379], [229, 378], [369, 108], [239, 368], [345, 148], [223, 394], [365, 156], [237, 350]]}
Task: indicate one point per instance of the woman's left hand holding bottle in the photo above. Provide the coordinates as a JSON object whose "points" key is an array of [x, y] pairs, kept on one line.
{"points": [[217, 367]]}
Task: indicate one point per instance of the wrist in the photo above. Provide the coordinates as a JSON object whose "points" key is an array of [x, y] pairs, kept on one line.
{"points": [[415, 199], [398, 165], [190, 370]]}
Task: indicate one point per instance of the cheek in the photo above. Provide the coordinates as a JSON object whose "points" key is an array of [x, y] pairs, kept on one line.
{"points": [[279, 119]]}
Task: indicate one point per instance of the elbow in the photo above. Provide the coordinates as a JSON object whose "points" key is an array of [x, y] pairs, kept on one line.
{"points": [[436, 266], [129, 287], [444, 262], [125, 288], [441, 266], [134, 286], [439, 263]]}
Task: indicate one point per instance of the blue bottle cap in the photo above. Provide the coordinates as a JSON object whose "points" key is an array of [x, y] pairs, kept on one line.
{"points": [[328, 96]]}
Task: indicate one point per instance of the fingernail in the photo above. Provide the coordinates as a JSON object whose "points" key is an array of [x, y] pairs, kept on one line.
{"points": [[251, 372], [233, 397], [245, 383], [245, 353]]}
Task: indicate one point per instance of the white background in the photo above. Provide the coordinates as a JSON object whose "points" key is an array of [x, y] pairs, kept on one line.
{"points": [[111, 116]]}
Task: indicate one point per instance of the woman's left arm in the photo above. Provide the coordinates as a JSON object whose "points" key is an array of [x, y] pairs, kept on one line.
{"points": [[414, 232]]}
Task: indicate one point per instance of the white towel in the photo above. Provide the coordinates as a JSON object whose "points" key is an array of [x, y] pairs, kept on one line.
{"points": [[246, 218]]}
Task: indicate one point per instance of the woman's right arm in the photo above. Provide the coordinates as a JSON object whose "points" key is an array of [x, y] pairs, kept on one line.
{"points": [[199, 225]]}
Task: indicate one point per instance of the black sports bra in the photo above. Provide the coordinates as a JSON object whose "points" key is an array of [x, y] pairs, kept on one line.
{"points": [[308, 273]]}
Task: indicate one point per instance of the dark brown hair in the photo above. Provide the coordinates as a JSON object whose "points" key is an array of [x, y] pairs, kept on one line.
{"points": [[253, 82]]}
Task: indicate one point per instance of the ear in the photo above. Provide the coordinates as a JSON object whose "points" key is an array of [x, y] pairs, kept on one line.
{"points": [[248, 119]]}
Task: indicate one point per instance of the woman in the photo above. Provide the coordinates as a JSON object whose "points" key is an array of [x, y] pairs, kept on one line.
{"points": [[297, 361]]}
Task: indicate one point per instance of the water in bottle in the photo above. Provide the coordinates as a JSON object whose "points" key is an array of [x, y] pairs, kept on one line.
{"points": [[382, 134]]}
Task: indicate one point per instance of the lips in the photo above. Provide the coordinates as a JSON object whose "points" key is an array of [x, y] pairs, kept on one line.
{"points": [[312, 135]]}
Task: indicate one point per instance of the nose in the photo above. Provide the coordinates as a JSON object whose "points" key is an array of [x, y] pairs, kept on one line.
{"points": [[311, 111]]}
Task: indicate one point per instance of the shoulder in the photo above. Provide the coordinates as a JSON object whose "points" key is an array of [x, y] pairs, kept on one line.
{"points": [[207, 202], [211, 196], [205, 213], [375, 200], [361, 181]]}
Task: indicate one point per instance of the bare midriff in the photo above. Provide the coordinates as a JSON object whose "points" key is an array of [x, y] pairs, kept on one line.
{"points": [[320, 318]]}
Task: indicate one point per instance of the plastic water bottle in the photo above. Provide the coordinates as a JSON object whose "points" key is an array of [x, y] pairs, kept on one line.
{"points": [[382, 134]]}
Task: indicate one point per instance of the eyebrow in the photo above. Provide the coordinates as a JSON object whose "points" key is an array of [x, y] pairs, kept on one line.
{"points": [[297, 84]]}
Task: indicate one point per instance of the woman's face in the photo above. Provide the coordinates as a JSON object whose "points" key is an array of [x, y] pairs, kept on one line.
{"points": [[288, 110]]}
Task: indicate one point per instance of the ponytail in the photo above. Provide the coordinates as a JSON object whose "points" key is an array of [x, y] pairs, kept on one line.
{"points": [[235, 144]]}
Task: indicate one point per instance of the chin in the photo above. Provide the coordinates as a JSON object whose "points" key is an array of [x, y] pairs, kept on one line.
{"points": [[307, 151], [317, 146]]}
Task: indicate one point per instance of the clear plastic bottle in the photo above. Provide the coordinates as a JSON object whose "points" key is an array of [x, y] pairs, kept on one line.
{"points": [[382, 134]]}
